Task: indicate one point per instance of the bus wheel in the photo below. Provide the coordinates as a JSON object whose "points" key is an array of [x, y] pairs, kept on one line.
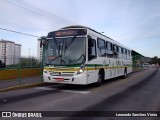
{"points": [[99, 81], [125, 73]]}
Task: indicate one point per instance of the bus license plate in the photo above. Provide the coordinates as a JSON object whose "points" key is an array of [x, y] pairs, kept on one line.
{"points": [[59, 79]]}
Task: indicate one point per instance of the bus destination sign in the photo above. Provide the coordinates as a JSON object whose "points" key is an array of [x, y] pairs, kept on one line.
{"points": [[66, 33]]}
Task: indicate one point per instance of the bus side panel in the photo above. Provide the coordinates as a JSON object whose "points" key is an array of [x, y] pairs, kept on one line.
{"points": [[92, 76], [92, 70]]}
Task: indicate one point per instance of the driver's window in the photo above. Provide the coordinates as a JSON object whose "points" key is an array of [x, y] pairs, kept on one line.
{"points": [[92, 53]]}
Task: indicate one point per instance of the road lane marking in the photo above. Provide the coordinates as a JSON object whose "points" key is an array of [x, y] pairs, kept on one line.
{"points": [[45, 88], [61, 90], [75, 91]]}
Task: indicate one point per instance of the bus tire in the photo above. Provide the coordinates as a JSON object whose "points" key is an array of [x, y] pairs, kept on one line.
{"points": [[99, 81], [125, 73]]}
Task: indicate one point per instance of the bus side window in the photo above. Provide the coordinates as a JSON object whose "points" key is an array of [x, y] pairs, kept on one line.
{"points": [[109, 51], [115, 48], [120, 52], [129, 54], [124, 53], [115, 51], [92, 54], [101, 48]]}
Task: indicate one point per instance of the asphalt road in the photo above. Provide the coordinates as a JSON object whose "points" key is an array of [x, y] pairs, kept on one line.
{"points": [[138, 92]]}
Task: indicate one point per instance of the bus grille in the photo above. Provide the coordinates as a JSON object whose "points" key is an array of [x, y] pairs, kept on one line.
{"points": [[61, 73]]}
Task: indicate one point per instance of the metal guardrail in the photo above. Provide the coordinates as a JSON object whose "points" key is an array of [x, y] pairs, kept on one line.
{"points": [[26, 71]]}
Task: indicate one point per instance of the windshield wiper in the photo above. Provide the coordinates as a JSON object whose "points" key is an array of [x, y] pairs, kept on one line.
{"points": [[78, 59]]}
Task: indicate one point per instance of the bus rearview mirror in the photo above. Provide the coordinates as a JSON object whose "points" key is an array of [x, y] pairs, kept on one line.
{"points": [[43, 41]]}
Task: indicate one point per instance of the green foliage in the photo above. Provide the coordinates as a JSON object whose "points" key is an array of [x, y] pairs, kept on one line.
{"points": [[155, 60], [29, 62], [2, 65]]}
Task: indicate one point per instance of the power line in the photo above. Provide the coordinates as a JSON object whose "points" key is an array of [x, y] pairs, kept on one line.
{"points": [[36, 10], [39, 11], [31, 10], [18, 32]]}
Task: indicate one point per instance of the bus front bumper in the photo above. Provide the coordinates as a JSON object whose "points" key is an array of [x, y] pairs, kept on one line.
{"points": [[80, 79]]}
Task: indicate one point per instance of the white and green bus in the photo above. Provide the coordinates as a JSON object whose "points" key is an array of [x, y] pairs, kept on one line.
{"points": [[81, 55]]}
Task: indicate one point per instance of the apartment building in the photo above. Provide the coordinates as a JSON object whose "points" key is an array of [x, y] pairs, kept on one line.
{"points": [[17, 53], [39, 50], [10, 52]]}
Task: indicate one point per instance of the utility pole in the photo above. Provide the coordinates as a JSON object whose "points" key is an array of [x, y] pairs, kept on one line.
{"points": [[29, 52], [5, 55], [29, 57]]}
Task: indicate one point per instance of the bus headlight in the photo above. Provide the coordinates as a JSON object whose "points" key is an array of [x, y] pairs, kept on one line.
{"points": [[81, 70], [45, 71]]}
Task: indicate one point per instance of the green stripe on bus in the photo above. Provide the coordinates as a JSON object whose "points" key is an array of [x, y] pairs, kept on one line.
{"points": [[96, 65]]}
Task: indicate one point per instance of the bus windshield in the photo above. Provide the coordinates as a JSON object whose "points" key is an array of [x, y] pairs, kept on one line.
{"points": [[65, 51]]}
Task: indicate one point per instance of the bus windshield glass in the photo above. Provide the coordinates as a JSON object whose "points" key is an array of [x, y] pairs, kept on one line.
{"points": [[65, 51]]}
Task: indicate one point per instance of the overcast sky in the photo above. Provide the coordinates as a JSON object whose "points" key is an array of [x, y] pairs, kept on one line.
{"points": [[134, 23]]}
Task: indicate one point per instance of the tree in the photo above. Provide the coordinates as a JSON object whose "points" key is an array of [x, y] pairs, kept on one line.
{"points": [[154, 60], [2, 65], [29, 62]]}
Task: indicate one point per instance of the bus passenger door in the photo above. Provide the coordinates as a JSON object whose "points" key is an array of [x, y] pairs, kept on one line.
{"points": [[107, 68], [92, 67], [111, 64]]}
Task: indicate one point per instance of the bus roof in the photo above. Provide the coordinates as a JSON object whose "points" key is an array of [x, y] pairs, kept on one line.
{"points": [[79, 26], [85, 27]]}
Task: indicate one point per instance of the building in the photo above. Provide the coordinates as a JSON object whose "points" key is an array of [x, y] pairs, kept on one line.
{"points": [[39, 49], [17, 53], [10, 52]]}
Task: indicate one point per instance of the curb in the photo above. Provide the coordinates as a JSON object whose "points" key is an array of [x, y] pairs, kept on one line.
{"points": [[23, 86]]}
